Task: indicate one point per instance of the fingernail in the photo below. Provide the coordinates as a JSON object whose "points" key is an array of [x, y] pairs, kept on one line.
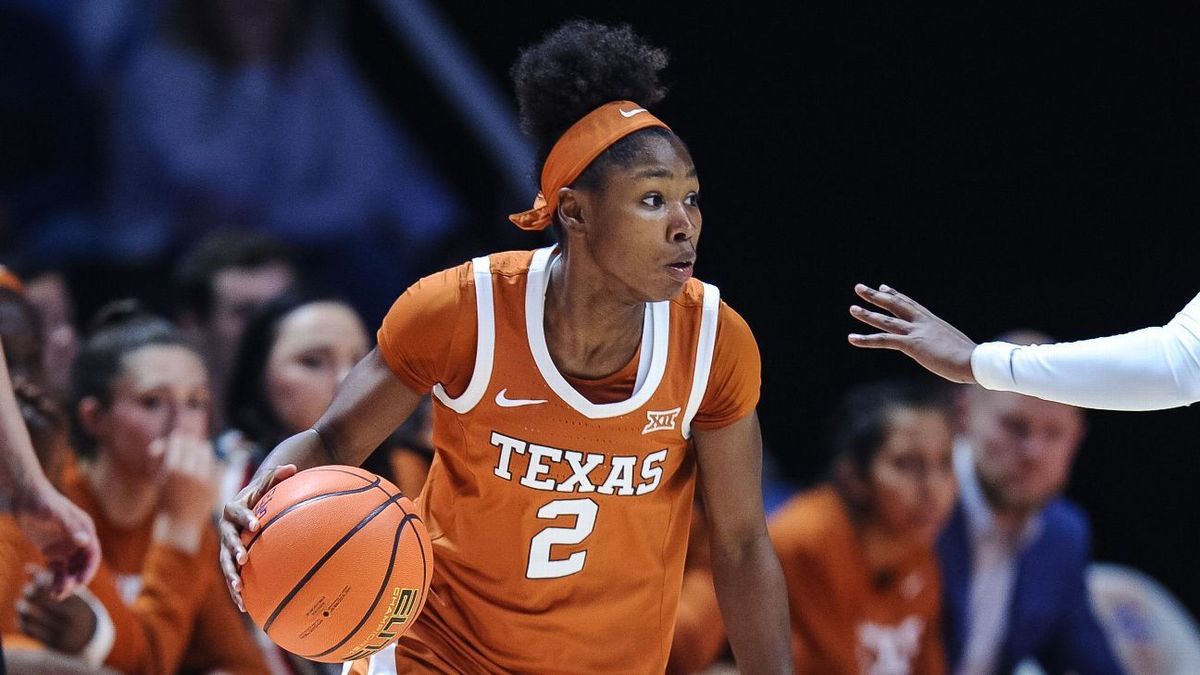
{"points": [[241, 557], [254, 524], [885, 287]]}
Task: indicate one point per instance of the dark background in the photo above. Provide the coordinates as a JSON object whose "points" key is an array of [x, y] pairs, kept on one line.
{"points": [[1008, 168]]}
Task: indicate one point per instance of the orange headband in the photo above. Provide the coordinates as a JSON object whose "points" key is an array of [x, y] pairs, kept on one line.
{"points": [[10, 281], [581, 144]]}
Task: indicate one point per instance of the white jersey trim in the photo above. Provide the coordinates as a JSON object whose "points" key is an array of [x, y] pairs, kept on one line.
{"points": [[655, 338], [485, 343], [704, 353]]}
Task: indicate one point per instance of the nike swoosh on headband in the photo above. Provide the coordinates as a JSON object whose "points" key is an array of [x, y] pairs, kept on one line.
{"points": [[631, 113]]}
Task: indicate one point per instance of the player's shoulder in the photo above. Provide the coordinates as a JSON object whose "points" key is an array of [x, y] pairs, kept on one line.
{"points": [[458, 277], [510, 263]]}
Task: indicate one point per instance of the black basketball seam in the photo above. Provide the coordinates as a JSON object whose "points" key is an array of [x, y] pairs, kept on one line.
{"points": [[396, 504], [324, 559], [309, 500], [378, 594], [340, 470]]}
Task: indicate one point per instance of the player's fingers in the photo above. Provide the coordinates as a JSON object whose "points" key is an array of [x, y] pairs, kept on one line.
{"points": [[281, 473], [881, 321], [232, 580], [913, 305], [877, 341], [262, 485], [231, 538], [888, 300]]}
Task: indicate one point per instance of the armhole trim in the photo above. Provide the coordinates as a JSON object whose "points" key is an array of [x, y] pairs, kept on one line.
{"points": [[705, 345], [485, 342]]}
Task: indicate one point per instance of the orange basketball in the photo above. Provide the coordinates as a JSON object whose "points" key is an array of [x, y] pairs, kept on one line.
{"points": [[340, 566]]}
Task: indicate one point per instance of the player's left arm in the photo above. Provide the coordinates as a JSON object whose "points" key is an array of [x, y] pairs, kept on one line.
{"points": [[746, 571]]}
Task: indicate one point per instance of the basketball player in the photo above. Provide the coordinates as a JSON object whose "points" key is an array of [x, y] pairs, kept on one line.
{"points": [[1148, 369], [579, 391]]}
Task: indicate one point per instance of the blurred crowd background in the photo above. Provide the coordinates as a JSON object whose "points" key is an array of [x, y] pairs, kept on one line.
{"points": [[1012, 169]]}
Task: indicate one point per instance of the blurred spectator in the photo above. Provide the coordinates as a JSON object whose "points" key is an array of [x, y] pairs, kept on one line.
{"points": [[140, 404], [246, 113], [47, 289], [294, 353], [1015, 553], [857, 552], [21, 331], [93, 626], [219, 283]]}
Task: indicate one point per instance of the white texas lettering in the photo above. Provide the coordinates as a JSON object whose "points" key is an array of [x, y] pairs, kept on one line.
{"points": [[547, 465]]}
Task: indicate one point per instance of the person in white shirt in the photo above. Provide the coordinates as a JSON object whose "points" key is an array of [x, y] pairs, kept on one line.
{"points": [[1148, 369]]}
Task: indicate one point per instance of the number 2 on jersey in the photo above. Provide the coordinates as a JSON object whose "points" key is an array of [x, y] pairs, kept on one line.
{"points": [[541, 566]]}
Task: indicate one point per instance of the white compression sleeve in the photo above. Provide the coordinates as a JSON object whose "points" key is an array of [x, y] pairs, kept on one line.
{"points": [[1148, 369]]}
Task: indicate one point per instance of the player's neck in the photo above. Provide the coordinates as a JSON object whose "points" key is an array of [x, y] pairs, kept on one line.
{"points": [[126, 507], [590, 331]]}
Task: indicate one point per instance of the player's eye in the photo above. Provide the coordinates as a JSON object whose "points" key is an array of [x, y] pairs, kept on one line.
{"points": [[692, 199], [653, 200]]}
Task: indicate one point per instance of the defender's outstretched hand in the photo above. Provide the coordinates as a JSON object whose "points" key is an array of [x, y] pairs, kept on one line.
{"points": [[914, 330]]}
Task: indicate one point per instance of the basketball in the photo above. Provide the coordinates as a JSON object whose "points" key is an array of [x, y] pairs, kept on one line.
{"points": [[340, 565]]}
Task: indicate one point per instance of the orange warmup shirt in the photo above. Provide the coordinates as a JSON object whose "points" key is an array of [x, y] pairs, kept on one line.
{"points": [[212, 637], [843, 621], [144, 635], [559, 509]]}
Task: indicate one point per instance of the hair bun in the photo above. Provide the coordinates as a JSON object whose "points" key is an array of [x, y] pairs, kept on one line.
{"points": [[578, 67]]}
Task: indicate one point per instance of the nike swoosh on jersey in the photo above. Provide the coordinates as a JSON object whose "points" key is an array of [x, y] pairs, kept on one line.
{"points": [[631, 113], [505, 402]]}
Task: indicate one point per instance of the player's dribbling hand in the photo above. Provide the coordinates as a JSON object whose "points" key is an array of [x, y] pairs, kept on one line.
{"points": [[915, 331], [239, 515]]}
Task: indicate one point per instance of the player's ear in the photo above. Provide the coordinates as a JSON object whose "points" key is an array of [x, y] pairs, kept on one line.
{"points": [[571, 210]]}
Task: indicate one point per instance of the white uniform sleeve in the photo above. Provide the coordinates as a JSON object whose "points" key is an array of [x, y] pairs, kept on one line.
{"points": [[1148, 369]]}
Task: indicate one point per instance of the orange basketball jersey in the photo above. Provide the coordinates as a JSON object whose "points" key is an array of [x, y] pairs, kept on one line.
{"points": [[559, 524]]}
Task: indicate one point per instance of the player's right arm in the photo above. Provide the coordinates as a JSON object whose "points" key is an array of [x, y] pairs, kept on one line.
{"points": [[370, 403]]}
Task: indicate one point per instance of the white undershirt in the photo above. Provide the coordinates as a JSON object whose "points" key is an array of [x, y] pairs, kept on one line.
{"points": [[1148, 369], [994, 556]]}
